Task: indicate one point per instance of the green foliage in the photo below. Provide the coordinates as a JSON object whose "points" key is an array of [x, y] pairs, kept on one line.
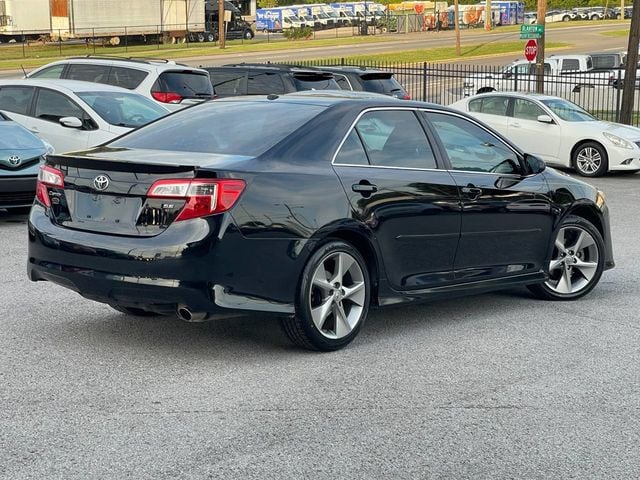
{"points": [[267, 3], [298, 33]]}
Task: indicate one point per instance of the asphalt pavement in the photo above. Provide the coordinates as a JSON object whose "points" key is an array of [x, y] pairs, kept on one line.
{"points": [[493, 386]]}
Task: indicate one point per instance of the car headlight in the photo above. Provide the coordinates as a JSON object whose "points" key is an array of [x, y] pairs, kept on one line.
{"points": [[617, 141], [600, 199]]}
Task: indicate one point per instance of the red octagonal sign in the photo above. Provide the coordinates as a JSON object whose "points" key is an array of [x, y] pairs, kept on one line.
{"points": [[531, 50]]}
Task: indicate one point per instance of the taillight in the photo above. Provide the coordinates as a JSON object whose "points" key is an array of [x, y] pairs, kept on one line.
{"points": [[203, 197], [167, 97], [48, 177], [406, 97]]}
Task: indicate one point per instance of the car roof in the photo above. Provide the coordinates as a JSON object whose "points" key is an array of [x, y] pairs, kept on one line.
{"points": [[269, 66], [350, 69], [148, 64], [533, 95], [65, 85]]}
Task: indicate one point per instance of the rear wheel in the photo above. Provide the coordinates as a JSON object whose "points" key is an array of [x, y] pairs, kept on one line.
{"points": [[136, 312], [590, 160], [576, 263], [248, 34], [332, 300]]}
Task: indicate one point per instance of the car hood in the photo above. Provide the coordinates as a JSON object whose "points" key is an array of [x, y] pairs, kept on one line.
{"points": [[28, 161], [14, 137], [623, 131]]}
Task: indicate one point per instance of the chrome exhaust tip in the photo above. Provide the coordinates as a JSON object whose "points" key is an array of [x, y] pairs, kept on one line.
{"points": [[185, 314]]}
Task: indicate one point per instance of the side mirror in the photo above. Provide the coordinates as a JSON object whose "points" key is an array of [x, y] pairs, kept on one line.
{"points": [[534, 164], [545, 119], [71, 122]]}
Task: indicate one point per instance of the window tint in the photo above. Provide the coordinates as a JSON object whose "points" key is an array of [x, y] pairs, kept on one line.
{"points": [[526, 109], [88, 73], [229, 83], [53, 106], [342, 82], [264, 83], [475, 105], [213, 128], [50, 72], [314, 82], [186, 84], [383, 83], [352, 152], [472, 148], [495, 105], [570, 64], [395, 139], [123, 109], [126, 77], [16, 99]]}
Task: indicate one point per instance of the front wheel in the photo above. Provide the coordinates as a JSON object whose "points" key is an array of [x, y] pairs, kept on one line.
{"points": [[332, 300], [590, 160], [576, 263], [248, 35]]}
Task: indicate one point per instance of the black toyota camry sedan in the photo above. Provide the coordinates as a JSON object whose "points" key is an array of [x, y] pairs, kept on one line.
{"points": [[315, 207]]}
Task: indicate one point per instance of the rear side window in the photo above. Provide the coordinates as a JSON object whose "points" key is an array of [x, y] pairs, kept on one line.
{"points": [[380, 83], [88, 73], [54, 71], [342, 82], [264, 83], [570, 65], [16, 99], [126, 77], [213, 128], [305, 81], [490, 105], [187, 84], [352, 151]]}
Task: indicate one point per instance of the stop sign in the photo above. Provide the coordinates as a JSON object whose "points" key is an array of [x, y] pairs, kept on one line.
{"points": [[531, 50]]}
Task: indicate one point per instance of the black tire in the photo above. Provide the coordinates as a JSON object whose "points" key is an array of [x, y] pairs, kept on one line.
{"points": [[545, 290], [132, 311], [211, 37], [587, 149], [248, 34], [301, 328]]}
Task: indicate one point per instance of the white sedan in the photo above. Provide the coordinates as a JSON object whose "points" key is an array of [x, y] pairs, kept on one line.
{"points": [[73, 115], [558, 131]]}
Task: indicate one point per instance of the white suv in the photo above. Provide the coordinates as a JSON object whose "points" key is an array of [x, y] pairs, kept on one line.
{"points": [[170, 84]]}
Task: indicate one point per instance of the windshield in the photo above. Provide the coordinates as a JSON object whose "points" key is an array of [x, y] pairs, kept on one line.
{"points": [[568, 111], [13, 136], [123, 109], [315, 82], [227, 128]]}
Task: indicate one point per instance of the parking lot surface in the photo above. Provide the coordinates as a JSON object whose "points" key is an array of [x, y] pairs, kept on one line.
{"points": [[492, 386]]}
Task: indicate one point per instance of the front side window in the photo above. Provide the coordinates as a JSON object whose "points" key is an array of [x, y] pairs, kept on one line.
{"points": [[54, 71], [265, 83], [526, 109], [395, 138], [53, 106], [471, 148], [16, 99], [568, 111], [123, 109]]}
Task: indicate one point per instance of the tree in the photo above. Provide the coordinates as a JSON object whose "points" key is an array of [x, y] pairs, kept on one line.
{"points": [[628, 91]]}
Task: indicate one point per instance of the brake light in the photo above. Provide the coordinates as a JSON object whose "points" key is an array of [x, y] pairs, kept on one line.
{"points": [[48, 177], [203, 197], [406, 97], [167, 97]]}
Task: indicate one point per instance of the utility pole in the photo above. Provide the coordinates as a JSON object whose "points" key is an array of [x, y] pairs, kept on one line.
{"points": [[221, 32], [487, 16], [456, 23], [628, 92], [542, 12]]}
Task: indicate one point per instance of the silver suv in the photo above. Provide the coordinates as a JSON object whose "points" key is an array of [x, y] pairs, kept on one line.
{"points": [[170, 84]]}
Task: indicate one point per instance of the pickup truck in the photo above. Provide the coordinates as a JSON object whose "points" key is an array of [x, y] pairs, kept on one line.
{"points": [[562, 73]]}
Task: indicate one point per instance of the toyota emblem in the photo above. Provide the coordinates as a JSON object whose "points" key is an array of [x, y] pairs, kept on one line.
{"points": [[101, 182], [14, 160]]}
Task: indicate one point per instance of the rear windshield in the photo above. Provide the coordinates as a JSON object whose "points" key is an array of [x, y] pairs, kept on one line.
{"points": [[228, 128], [187, 84], [304, 81], [381, 83]]}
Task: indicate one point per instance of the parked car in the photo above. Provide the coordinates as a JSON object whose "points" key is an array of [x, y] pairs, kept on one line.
{"points": [[558, 131], [628, 11], [266, 79], [170, 84], [530, 17], [73, 115], [607, 61], [21, 154], [559, 16], [236, 27], [315, 207], [367, 80]]}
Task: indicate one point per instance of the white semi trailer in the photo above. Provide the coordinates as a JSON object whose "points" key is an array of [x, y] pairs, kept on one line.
{"points": [[111, 20]]}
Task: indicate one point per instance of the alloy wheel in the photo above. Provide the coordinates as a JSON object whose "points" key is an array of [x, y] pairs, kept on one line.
{"points": [[588, 160], [574, 262], [337, 295]]}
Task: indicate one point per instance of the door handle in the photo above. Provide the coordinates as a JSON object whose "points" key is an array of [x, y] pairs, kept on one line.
{"points": [[34, 130], [472, 191], [515, 124], [364, 188]]}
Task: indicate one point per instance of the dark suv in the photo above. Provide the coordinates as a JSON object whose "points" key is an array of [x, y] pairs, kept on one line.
{"points": [[266, 79], [367, 80]]}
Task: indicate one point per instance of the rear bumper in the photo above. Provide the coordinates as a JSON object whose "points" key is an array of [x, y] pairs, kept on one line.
{"points": [[17, 191], [191, 264]]}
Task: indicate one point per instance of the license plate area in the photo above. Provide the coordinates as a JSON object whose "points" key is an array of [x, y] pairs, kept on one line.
{"points": [[108, 210]]}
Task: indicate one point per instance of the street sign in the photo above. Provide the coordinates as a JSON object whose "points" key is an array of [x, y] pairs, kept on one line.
{"points": [[531, 31], [531, 50]]}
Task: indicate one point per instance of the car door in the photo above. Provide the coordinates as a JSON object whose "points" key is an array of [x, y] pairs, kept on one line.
{"points": [[492, 110], [49, 107], [530, 135], [389, 171], [506, 217], [16, 102]]}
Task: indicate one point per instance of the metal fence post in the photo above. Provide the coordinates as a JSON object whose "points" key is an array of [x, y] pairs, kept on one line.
{"points": [[60, 42], [618, 94], [424, 81], [24, 53], [126, 39], [93, 39]]}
